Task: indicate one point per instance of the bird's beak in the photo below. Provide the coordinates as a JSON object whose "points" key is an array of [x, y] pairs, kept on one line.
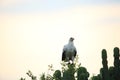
{"points": [[71, 39]]}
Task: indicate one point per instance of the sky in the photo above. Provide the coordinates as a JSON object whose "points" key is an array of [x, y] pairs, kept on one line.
{"points": [[33, 33]]}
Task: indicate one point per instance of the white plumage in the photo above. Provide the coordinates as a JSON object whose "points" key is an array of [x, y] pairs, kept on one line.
{"points": [[69, 51]]}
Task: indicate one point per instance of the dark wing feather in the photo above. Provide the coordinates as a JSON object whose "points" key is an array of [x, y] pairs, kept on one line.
{"points": [[63, 56], [75, 52]]}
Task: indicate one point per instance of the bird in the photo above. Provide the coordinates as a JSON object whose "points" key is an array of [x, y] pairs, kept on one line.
{"points": [[69, 51]]}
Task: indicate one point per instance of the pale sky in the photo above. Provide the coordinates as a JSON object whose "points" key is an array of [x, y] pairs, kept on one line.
{"points": [[33, 33]]}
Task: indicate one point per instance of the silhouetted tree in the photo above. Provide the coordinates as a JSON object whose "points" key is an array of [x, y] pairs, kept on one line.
{"points": [[82, 73], [22, 78], [42, 77], [116, 64], [111, 73], [104, 70], [69, 70], [57, 75], [96, 77], [29, 73], [69, 73]]}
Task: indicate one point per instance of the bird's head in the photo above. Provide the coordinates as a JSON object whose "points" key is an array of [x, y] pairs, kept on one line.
{"points": [[71, 39]]}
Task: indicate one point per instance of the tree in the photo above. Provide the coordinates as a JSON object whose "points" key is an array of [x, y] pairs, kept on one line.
{"points": [[57, 75], [111, 73], [104, 70], [82, 73], [70, 69], [67, 73], [116, 64]]}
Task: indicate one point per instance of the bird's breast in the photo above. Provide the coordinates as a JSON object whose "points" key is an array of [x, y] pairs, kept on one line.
{"points": [[70, 49]]}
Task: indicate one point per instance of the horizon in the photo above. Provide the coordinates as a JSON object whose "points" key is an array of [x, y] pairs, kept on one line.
{"points": [[33, 33]]}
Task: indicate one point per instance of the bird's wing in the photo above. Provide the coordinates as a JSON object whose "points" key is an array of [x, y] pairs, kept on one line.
{"points": [[63, 55], [75, 52]]}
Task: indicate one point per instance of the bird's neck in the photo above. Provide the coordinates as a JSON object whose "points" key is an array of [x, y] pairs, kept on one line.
{"points": [[70, 43]]}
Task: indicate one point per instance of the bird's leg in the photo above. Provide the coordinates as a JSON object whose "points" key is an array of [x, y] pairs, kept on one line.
{"points": [[69, 62], [72, 60]]}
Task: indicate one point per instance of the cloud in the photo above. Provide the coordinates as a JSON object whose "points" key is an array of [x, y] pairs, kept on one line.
{"points": [[8, 3], [36, 5], [28, 6], [4, 3]]}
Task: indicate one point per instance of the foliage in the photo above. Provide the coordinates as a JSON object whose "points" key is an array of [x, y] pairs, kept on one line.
{"points": [[29, 73], [104, 70], [22, 78], [42, 77], [67, 73], [74, 71], [116, 64], [57, 75], [113, 72], [98, 77], [82, 73]]}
